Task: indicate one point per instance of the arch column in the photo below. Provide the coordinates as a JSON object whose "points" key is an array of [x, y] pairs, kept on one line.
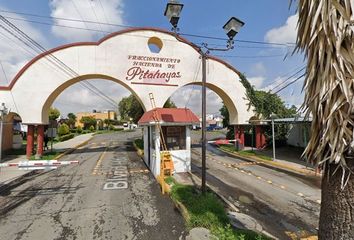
{"points": [[239, 134], [40, 140], [30, 141], [260, 137]]}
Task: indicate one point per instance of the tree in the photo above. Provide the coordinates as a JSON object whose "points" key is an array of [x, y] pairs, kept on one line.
{"points": [[53, 113], [326, 36], [71, 120], [169, 104], [88, 121], [130, 107], [264, 103], [63, 129]]}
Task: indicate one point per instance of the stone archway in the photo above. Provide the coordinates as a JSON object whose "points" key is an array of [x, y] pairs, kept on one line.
{"points": [[126, 58]]}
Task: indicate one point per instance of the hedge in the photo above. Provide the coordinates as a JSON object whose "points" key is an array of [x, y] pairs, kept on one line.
{"points": [[66, 137]]}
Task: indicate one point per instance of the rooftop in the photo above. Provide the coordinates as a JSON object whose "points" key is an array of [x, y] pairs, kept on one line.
{"points": [[169, 116]]}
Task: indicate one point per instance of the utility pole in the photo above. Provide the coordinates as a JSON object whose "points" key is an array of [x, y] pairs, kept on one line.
{"points": [[3, 112], [232, 27], [204, 141]]}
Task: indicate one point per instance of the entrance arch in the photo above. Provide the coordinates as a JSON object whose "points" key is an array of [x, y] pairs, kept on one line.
{"points": [[124, 57]]}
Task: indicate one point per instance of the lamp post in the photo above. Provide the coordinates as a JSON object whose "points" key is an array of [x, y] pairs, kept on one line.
{"points": [[3, 112], [232, 27]]}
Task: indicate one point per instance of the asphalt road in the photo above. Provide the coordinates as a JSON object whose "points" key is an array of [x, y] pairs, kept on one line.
{"points": [[108, 195], [286, 205]]}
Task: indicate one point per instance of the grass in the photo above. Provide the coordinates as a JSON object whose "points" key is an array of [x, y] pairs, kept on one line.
{"points": [[139, 143], [47, 156], [208, 211], [245, 153]]}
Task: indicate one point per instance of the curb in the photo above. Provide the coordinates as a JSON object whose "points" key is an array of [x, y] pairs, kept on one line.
{"points": [[73, 149], [271, 164]]}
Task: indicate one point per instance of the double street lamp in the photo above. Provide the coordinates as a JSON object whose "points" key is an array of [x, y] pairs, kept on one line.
{"points": [[232, 27]]}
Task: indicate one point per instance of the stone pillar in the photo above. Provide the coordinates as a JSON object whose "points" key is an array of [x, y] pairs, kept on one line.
{"points": [[30, 141], [40, 140], [260, 137]]}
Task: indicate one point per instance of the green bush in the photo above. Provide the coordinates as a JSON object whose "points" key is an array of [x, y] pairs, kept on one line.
{"points": [[73, 130], [118, 129], [91, 128], [85, 131], [63, 129], [139, 143], [110, 127], [79, 130], [66, 137]]}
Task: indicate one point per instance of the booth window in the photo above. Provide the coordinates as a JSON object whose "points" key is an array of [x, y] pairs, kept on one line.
{"points": [[175, 137]]}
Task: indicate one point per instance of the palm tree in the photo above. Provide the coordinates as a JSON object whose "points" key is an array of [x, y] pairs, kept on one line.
{"points": [[326, 36]]}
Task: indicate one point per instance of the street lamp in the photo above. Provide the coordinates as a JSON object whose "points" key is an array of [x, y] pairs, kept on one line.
{"points": [[3, 112], [172, 12], [232, 27]]}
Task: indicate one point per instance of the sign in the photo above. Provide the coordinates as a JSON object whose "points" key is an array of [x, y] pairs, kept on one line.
{"points": [[152, 70], [52, 132]]}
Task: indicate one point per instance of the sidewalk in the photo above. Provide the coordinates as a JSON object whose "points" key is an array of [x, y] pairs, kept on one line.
{"points": [[9, 174], [287, 158]]}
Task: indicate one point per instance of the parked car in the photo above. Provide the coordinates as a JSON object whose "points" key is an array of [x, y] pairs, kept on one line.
{"points": [[125, 124]]}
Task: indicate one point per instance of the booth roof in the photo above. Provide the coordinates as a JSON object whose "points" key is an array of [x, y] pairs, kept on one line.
{"points": [[180, 116]]}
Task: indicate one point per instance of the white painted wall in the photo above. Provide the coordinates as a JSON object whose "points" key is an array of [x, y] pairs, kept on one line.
{"points": [[181, 158], [298, 136], [42, 82]]}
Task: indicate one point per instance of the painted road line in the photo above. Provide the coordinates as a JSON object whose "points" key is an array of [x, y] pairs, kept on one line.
{"points": [[282, 187], [300, 194], [98, 163], [270, 182]]}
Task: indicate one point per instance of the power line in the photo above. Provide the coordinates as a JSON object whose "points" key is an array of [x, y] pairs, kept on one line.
{"points": [[77, 10], [126, 26], [236, 40], [288, 78], [94, 12], [103, 11], [292, 82], [259, 56], [102, 31], [54, 60], [290, 74], [12, 96], [56, 24]]}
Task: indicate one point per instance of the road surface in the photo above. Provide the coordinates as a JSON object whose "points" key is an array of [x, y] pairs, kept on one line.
{"points": [[285, 205], [81, 202]]}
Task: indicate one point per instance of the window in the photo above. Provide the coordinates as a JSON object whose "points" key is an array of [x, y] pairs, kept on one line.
{"points": [[175, 137]]}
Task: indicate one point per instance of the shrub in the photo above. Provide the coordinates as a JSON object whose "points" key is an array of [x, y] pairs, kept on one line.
{"points": [[85, 131], [110, 127], [79, 130], [73, 130], [66, 137], [118, 129], [91, 128], [63, 129]]}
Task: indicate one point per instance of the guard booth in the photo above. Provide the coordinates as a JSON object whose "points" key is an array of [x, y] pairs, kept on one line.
{"points": [[176, 125]]}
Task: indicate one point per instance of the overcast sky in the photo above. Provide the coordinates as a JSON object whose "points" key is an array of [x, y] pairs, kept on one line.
{"points": [[266, 65]]}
